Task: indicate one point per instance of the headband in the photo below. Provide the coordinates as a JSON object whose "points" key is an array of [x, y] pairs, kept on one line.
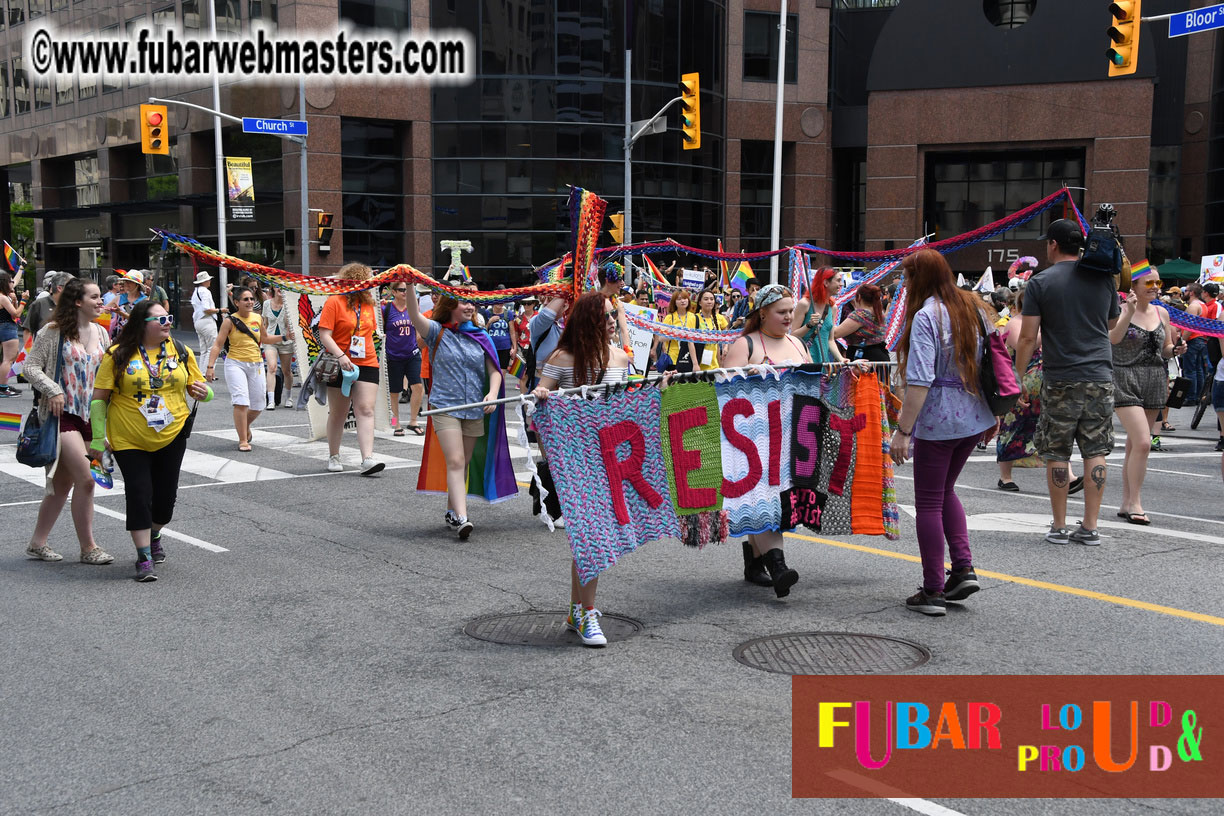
{"points": [[770, 294]]}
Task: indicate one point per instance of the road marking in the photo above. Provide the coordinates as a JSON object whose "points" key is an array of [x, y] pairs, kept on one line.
{"points": [[1046, 499], [294, 445], [226, 470], [1039, 523], [929, 808], [167, 532], [1015, 579]]}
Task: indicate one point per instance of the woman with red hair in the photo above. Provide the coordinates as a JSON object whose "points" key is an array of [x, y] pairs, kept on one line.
{"points": [[586, 354], [945, 414], [864, 327], [813, 320]]}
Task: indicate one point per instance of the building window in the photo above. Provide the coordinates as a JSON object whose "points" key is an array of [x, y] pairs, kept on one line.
{"points": [[265, 10], [394, 14], [42, 92], [761, 46], [110, 84], [229, 18], [1008, 13], [85, 179], [161, 176], [63, 89], [191, 15], [4, 90], [1162, 203], [37, 7], [21, 87], [372, 216], [87, 86], [163, 19], [865, 4], [965, 191], [56, 5], [756, 195], [16, 13]]}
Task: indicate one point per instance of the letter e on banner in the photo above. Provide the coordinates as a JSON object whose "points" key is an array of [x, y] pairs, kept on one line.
{"points": [[684, 460]]}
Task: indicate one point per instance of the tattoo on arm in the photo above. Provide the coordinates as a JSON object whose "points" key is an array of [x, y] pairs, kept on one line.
{"points": [[1059, 475], [1098, 477]]}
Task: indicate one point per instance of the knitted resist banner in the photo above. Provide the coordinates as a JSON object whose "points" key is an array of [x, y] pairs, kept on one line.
{"points": [[773, 453]]}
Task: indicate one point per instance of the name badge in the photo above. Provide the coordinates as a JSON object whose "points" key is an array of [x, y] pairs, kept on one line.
{"points": [[707, 356], [157, 415], [357, 347]]}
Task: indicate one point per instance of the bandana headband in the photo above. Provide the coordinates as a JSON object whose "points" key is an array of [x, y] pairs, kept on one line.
{"points": [[771, 294]]}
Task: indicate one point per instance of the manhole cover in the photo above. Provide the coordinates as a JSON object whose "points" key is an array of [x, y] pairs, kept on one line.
{"points": [[544, 629], [831, 653]]}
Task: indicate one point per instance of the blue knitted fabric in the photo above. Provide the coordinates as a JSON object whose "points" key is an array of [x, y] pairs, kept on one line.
{"points": [[568, 430], [760, 509]]}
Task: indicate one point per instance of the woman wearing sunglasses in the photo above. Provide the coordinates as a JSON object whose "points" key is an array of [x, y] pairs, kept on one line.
{"points": [[244, 363], [278, 322], [587, 354], [403, 359], [1142, 342], [346, 330], [140, 408]]}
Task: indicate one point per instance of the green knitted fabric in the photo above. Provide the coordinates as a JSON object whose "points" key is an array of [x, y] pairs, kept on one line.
{"points": [[705, 439]]}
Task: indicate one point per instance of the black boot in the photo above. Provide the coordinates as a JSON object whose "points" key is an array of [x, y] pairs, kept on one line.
{"points": [[783, 576], [754, 568]]}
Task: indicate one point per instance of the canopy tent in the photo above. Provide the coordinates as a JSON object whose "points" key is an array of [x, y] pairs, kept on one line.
{"points": [[1179, 271]]}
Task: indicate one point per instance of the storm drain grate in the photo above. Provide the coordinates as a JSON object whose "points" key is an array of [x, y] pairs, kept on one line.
{"points": [[831, 653], [544, 629]]}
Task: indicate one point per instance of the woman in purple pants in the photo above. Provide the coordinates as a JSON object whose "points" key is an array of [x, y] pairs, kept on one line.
{"points": [[945, 415]]}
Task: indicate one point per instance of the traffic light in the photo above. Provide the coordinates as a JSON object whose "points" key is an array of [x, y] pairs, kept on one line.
{"points": [[323, 221], [153, 130], [617, 229], [1124, 37], [690, 111]]}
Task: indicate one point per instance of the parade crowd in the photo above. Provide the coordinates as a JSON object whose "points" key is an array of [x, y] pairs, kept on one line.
{"points": [[1086, 348]]}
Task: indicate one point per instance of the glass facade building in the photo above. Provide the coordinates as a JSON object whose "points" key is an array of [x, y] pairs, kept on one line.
{"points": [[548, 110]]}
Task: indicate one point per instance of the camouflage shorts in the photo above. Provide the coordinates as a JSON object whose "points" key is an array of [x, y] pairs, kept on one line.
{"points": [[1077, 412]]}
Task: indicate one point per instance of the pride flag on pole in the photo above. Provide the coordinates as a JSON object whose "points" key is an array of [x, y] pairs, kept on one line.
{"points": [[655, 275], [19, 363], [724, 281], [12, 258], [740, 279]]}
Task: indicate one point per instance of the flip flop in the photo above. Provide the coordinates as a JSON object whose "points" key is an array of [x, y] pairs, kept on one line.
{"points": [[398, 432], [1010, 487], [1077, 484], [1136, 518], [245, 447], [417, 429]]}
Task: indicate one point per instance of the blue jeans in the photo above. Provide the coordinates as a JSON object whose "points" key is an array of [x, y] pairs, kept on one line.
{"points": [[1196, 366]]}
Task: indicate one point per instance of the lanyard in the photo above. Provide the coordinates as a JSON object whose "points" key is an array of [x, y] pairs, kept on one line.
{"points": [[357, 328], [155, 378]]}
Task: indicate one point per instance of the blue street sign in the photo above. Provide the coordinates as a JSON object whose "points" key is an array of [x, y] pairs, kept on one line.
{"points": [[274, 127], [1190, 22]]}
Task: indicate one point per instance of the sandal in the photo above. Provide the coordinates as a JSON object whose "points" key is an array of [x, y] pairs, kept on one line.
{"points": [[417, 429], [1010, 487], [1166, 427], [398, 432], [1136, 518], [245, 447]]}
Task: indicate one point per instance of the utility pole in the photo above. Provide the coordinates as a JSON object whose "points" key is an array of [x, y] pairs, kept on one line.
{"points": [[220, 152], [775, 219]]}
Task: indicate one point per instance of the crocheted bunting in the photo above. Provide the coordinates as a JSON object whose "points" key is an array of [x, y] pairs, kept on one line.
{"points": [[804, 503], [585, 441], [891, 512], [692, 447], [837, 471], [869, 457], [756, 425]]}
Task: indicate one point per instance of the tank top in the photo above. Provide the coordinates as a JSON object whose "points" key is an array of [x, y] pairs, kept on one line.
{"points": [[242, 348], [276, 319], [818, 343], [565, 375], [1140, 347]]}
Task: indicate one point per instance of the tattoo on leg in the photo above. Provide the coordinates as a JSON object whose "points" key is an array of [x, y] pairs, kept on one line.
{"points": [[1098, 477], [1059, 475]]}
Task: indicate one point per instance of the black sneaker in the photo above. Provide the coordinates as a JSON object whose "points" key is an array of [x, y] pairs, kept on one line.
{"points": [[465, 529], [927, 604], [452, 521], [144, 571], [960, 585], [1220, 444], [156, 550]]}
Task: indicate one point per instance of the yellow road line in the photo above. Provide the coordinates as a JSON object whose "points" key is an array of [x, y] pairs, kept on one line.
{"points": [[1015, 579]]}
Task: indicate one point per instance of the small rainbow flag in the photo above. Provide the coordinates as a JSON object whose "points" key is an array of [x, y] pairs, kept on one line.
{"points": [[724, 280], [740, 279], [19, 363], [1138, 270], [11, 257], [10, 422], [516, 366], [467, 274], [655, 275]]}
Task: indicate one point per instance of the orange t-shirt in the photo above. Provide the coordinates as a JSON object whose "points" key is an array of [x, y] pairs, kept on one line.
{"points": [[343, 323]]}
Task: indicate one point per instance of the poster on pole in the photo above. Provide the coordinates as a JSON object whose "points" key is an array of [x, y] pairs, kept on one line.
{"points": [[240, 188], [640, 339], [694, 279], [1212, 268]]}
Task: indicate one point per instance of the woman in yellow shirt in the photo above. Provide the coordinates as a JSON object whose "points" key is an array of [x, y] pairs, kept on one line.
{"points": [[683, 353], [244, 363], [140, 408], [708, 320]]}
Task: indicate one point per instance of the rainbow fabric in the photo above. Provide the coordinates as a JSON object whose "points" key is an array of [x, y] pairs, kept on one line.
{"points": [[515, 369], [14, 261], [724, 280], [1138, 270], [586, 220], [662, 299], [739, 280], [894, 321], [19, 363], [10, 422], [656, 277]]}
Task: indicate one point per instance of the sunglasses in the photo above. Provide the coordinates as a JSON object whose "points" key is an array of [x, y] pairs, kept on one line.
{"points": [[245, 299], [164, 320], [1151, 284], [400, 289]]}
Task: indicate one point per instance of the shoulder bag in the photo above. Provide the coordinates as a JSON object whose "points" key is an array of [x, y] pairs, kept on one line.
{"points": [[996, 375], [38, 442]]}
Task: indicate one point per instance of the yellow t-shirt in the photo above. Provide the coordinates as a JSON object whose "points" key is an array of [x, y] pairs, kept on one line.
{"points": [[126, 427], [241, 347], [717, 323], [688, 321]]}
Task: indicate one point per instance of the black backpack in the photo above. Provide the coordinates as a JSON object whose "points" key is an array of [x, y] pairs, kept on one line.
{"points": [[1102, 253]]}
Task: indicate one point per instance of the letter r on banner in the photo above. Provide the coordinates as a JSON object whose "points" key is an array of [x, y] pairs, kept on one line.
{"points": [[619, 470]]}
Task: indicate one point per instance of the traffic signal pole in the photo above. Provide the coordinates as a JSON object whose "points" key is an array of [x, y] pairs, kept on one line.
{"points": [[775, 216]]}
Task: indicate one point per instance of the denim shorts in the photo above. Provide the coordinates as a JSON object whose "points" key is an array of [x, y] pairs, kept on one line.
{"points": [[8, 331], [1217, 395]]}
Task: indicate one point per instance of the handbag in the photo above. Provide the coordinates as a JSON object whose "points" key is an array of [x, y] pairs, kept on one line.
{"points": [[1178, 391], [38, 442], [996, 376]]}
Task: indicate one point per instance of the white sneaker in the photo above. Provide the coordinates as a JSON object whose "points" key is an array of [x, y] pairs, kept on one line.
{"points": [[559, 522], [287, 402], [271, 406], [369, 466], [588, 629], [333, 464]]}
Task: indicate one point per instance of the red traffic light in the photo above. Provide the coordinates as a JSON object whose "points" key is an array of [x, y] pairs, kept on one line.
{"points": [[154, 118]]}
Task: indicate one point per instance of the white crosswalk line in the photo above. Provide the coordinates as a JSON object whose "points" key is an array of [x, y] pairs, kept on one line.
{"points": [[227, 470], [9, 466], [297, 446]]}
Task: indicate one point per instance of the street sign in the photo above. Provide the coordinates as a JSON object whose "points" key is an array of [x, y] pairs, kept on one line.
{"points": [[1191, 22], [658, 126], [274, 127]]}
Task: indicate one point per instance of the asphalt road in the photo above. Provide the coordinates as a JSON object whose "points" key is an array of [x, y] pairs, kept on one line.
{"points": [[318, 664]]}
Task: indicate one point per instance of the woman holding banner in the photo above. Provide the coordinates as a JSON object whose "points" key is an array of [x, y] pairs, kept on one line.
{"points": [[587, 354], [463, 360], [946, 415], [815, 327], [767, 339]]}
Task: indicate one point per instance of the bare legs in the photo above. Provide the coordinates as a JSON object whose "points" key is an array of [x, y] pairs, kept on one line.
{"points": [[244, 417], [7, 356], [72, 474], [580, 594], [1138, 423], [457, 449], [362, 396]]}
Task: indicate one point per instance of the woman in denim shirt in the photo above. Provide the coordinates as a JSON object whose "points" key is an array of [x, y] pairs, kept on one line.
{"points": [[945, 414]]}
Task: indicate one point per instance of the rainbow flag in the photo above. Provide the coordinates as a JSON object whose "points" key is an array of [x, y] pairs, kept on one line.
{"points": [[655, 275], [467, 274], [19, 363], [516, 366], [740, 279], [10, 422], [724, 281], [1138, 270], [11, 257]]}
